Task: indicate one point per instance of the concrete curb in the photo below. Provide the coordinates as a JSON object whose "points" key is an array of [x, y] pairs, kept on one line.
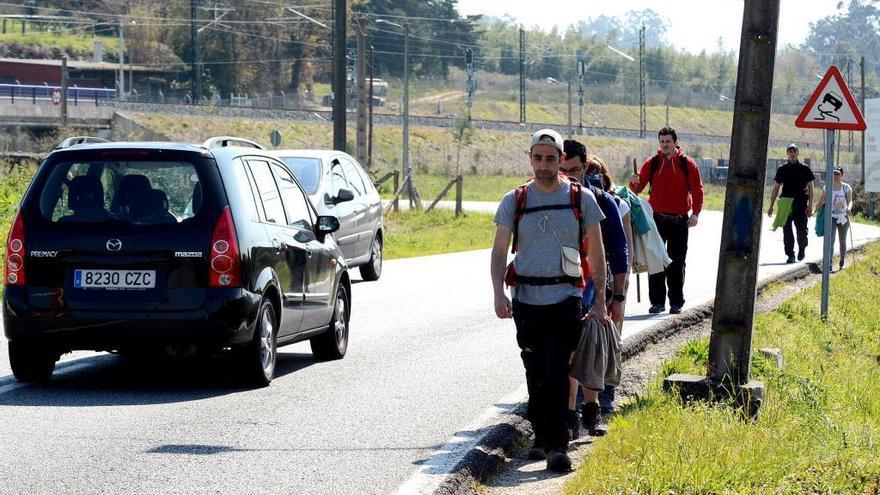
{"points": [[503, 440]]}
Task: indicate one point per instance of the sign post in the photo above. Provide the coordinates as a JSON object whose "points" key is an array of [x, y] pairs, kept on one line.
{"points": [[831, 107]]}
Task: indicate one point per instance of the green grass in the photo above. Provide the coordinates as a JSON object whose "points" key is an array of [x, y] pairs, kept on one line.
{"points": [[64, 41], [415, 233], [819, 428], [474, 188], [13, 183]]}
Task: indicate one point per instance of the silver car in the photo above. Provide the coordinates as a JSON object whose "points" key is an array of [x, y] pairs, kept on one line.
{"points": [[337, 185]]}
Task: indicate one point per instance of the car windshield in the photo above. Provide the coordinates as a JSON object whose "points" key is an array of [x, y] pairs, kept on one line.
{"points": [[306, 170], [137, 192]]}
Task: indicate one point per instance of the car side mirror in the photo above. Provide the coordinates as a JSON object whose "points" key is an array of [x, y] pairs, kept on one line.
{"points": [[327, 224], [342, 196]]}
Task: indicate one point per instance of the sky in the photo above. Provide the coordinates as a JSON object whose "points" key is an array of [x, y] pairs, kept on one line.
{"points": [[694, 25]]}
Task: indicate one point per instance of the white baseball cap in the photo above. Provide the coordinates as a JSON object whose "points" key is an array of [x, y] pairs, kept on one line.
{"points": [[547, 136]]}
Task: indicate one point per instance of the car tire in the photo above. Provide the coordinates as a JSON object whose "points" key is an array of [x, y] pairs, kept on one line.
{"points": [[373, 269], [30, 363], [333, 343], [259, 357]]}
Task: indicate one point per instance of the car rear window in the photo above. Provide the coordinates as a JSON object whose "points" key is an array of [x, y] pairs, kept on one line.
{"points": [[137, 192], [306, 170]]}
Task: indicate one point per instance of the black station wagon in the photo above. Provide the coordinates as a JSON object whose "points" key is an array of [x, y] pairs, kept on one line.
{"points": [[133, 246]]}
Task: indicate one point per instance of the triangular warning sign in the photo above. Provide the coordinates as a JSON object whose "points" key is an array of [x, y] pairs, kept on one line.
{"points": [[832, 106]]}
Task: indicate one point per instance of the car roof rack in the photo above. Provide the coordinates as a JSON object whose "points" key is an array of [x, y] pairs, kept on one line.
{"points": [[73, 141], [223, 141]]}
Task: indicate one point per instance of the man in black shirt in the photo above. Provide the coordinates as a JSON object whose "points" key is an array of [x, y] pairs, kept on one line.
{"points": [[797, 183]]}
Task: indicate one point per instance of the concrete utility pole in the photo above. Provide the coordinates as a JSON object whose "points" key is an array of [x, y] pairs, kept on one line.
{"points": [[194, 46], [339, 92], [522, 75], [471, 82], [405, 164], [581, 69], [361, 93], [570, 129], [643, 109], [64, 84], [120, 92], [406, 169], [370, 134], [733, 317]]}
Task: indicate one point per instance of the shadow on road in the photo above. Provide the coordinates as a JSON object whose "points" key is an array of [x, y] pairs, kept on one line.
{"points": [[201, 449], [111, 380]]}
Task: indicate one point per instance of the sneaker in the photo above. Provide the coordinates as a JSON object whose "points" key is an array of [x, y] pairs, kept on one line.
{"points": [[790, 260], [656, 308], [573, 422], [801, 254], [674, 310], [558, 462]]}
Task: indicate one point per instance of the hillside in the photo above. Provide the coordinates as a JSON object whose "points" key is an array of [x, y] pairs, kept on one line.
{"points": [[431, 149]]}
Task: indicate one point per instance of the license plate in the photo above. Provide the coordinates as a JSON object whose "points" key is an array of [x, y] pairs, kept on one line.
{"points": [[114, 279]]}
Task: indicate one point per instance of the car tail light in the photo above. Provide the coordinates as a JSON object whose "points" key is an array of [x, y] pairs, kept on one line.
{"points": [[225, 266], [15, 253]]}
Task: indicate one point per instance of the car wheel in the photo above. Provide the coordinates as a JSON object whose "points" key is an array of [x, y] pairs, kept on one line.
{"points": [[259, 356], [373, 269], [333, 343], [30, 363]]}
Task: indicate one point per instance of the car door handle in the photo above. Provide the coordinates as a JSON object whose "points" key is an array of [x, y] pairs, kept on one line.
{"points": [[280, 247]]}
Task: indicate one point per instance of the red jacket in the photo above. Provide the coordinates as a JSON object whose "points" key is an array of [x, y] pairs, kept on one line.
{"points": [[669, 194]]}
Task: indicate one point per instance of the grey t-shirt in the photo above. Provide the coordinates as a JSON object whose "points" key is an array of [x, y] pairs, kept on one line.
{"points": [[539, 251]]}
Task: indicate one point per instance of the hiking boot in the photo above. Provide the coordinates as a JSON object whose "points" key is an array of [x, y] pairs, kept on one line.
{"points": [[656, 308], [606, 401], [558, 462], [590, 418], [674, 309], [573, 422], [801, 254], [790, 260], [537, 452]]}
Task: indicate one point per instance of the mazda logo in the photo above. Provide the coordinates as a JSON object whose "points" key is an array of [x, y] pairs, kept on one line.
{"points": [[114, 245]]}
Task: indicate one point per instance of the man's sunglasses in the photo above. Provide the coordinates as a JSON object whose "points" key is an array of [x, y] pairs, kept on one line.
{"points": [[570, 170]]}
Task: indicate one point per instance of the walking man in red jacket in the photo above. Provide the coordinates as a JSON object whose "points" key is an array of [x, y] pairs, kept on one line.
{"points": [[676, 196]]}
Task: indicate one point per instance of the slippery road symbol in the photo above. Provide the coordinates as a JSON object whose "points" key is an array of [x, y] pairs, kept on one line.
{"points": [[831, 103]]}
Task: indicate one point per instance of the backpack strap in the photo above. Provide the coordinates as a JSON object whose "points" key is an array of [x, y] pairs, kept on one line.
{"points": [[575, 193], [682, 164], [520, 195]]}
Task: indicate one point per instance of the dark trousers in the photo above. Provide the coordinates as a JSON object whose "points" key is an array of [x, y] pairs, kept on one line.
{"points": [[673, 230], [547, 335], [798, 218]]}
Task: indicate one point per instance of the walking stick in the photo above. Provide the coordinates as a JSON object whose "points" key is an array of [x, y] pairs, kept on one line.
{"points": [[638, 278]]}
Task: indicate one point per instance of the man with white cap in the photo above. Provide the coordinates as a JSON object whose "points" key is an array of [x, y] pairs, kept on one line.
{"points": [[796, 180], [554, 224]]}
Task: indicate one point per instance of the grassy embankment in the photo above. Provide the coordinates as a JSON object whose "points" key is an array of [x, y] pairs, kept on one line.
{"points": [[819, 428], [493, 164], [54, 43]]}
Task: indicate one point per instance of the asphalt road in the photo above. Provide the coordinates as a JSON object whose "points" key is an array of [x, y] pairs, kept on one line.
{"points": [[428, 366]]}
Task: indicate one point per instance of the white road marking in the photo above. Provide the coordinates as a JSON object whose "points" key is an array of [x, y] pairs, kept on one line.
{"points": [[436, 468]]}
